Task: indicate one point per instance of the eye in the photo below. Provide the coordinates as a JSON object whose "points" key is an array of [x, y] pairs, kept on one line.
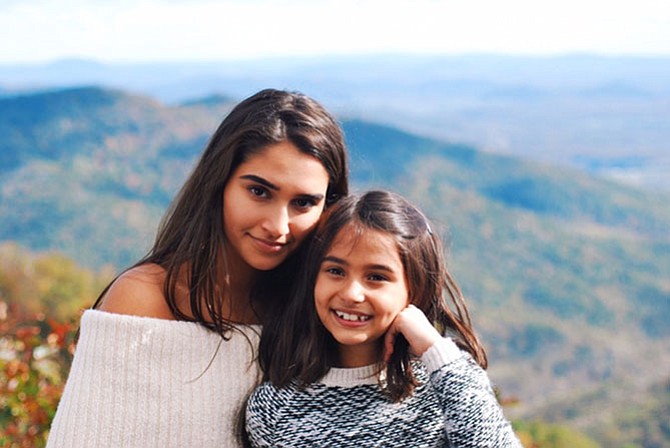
{"points": [[334, 271], [377, 278], [304, 203], [258, 191]]}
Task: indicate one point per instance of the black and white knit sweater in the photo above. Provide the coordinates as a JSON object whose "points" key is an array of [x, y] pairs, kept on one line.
{"points": [[453, 407]]}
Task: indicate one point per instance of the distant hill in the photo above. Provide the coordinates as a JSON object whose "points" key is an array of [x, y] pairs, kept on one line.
{"points": [[604, 114], [567, 274], [89, 172]]}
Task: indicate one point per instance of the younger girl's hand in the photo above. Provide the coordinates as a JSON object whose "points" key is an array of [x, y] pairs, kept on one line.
{"points": [[417, 329]]}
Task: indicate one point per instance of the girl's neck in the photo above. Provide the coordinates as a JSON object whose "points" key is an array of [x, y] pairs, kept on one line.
{"points": [[351, 356]]}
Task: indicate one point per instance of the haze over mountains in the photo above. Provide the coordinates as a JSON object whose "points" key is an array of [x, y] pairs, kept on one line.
{"points": [[605, 115], [567, 274]]}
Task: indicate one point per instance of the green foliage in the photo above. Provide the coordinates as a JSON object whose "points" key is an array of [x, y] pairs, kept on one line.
{"points": [[85, 166], [534, 338], [543, 435], [48, 284], [655, 310], [642, 422], [388, 157]]}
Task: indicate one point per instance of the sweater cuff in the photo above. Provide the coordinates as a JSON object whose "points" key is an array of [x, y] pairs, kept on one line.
{"points": [[440, 354]]}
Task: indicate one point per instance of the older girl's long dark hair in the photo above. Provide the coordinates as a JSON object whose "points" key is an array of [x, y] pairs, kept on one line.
{"points": [[295, 345], [191, 236]]}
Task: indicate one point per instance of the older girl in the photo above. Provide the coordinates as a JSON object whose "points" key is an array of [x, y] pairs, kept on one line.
{"points": [[341, 359], [166, 356]]}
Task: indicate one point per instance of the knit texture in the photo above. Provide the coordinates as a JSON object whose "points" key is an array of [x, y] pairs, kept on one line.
{"points": [[453, 407], [145, 382]]}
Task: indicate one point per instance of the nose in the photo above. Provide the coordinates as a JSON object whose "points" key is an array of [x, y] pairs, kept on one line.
{"points": [[277, 222], [352, 292]]}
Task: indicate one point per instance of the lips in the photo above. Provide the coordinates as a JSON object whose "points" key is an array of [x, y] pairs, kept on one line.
{"points": [[268, 245]]}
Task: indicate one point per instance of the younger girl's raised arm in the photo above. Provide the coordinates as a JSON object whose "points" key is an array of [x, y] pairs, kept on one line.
{"points": [[473, 416]]}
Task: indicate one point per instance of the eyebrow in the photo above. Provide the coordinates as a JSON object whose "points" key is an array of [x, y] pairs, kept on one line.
{"points": [[381, 267], [261, 181], [271, 186]]}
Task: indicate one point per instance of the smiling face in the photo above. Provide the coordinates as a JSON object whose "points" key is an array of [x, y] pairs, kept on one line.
{"points": [[360, 289], [270, 204]]}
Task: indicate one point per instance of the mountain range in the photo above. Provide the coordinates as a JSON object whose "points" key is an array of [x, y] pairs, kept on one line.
{"points": [[606, 115], [566, 273]]}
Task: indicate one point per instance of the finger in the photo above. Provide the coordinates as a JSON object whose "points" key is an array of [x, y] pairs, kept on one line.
{"points": [[389, 339]]}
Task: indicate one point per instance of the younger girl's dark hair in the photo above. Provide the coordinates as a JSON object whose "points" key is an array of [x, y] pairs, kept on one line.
{"points": [[296, 346], [191, 235]]}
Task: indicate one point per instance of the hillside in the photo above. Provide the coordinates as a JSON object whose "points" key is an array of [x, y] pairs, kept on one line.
{"points": [[567, 274], [603, 114], [89, 172]]}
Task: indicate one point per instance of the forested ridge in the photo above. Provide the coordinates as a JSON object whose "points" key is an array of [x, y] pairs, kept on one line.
{"points": [[566, 274]]}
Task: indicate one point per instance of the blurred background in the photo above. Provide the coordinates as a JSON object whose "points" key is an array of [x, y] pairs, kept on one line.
{"points": [[536, 135]]}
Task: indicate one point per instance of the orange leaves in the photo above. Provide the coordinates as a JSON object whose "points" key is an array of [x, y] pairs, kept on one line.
{"points": [[35, 356], [41, 298], [59, 332]]}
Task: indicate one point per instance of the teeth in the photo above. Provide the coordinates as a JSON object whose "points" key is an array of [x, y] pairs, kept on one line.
{"points": [[352, 317]]}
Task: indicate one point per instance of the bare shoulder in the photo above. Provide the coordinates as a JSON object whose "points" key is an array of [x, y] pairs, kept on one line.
{"points": [[138, 292]]}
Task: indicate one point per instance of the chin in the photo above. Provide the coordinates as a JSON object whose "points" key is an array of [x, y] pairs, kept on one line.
{"points": [[349, 341], [266, 265]]}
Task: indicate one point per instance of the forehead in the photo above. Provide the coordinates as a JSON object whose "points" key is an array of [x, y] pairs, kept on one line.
{"points": [[284, 161], [366, 245]]}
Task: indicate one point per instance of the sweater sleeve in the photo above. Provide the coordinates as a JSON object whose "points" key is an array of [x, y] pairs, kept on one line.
{"points": [[473, 416]]}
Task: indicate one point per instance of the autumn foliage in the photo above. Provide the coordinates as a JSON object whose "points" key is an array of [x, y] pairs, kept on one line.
{"points": [[34, 361], [41, 299]]}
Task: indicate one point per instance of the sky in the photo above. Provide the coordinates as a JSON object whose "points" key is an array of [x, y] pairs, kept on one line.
{"points": [[189, 30]]}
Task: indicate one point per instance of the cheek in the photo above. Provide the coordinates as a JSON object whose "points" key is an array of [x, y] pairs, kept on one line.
{"points": [[400, 302], [304, 224], [227, 218], [319, 292], [325, 289], [230, 218], [228, 209]]}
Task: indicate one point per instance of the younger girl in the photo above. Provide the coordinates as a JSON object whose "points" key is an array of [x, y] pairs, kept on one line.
{"points": [[340, 360]]}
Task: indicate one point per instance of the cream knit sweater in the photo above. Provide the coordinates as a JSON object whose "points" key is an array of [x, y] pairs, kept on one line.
{"points": [[144, 382]]}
